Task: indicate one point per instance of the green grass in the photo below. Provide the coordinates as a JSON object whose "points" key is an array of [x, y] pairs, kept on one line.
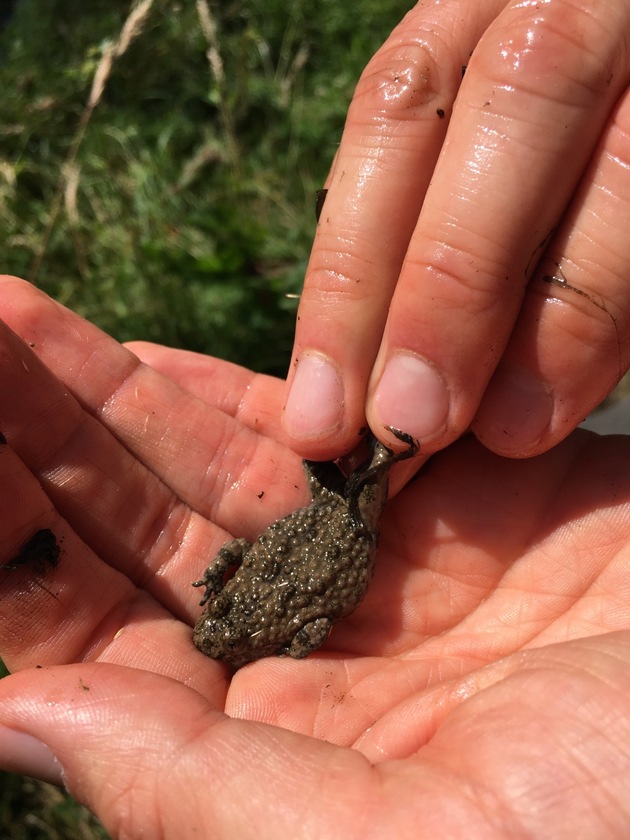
{"points": [[177, 204], [32, 810]]}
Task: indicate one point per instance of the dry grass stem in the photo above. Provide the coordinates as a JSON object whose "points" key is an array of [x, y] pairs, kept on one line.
{"points": [[98, 83], [133, 26], [131, 29], [72, 177], [210, 31]]}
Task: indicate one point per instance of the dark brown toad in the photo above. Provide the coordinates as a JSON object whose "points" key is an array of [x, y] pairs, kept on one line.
{"points": [[304, 572]]}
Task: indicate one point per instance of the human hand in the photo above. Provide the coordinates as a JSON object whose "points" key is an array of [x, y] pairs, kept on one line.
{"points": [[470, 263], [480, 690]]}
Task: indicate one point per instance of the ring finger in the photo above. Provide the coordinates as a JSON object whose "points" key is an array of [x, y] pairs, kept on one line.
{"points": [[572, 340]]}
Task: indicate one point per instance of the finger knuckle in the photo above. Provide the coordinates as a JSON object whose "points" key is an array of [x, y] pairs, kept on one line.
{"points": [[412, 73], [565, 50], [338, 277]]}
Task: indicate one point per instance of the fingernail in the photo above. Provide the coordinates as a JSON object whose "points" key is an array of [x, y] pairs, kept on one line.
{"points": [[24, 754], [315, 402], [411, 396], [516, 412]]}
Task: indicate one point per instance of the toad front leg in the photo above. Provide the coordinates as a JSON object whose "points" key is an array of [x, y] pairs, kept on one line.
{"points": [[230, 556]]}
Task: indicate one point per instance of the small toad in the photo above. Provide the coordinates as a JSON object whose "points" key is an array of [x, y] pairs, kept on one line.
{"points": [[304, 572]]}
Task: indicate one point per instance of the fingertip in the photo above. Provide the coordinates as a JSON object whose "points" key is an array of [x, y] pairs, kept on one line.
{"points": [[315, 403], [515, 413], [412, 396]]}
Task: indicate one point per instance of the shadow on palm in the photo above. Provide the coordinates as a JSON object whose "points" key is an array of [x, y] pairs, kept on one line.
{"points": [[148, 469], [480, 557]]}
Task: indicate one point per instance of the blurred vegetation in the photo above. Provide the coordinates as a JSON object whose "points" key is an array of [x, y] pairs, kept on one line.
{"points": [[174, 202], [158, 166]]}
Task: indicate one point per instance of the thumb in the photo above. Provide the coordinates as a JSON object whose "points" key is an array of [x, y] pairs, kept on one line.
{"points": [[150, 756], [114, 736]]}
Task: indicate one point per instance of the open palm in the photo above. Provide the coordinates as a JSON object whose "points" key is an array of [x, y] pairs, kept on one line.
{"points": [[478, 691]]}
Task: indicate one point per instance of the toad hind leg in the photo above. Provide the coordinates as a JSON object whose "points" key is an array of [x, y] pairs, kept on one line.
{"points": [[308, 638], [229, 556]]}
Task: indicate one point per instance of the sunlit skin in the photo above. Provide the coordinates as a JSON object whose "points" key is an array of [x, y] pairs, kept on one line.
{"points": [[480, 690], [425, 304]]}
